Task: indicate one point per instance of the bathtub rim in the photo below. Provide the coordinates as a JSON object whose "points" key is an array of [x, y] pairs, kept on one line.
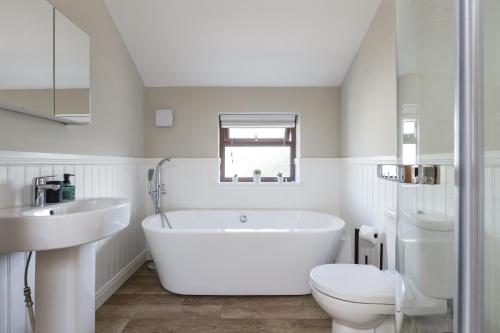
{"points": [[339, 225]]}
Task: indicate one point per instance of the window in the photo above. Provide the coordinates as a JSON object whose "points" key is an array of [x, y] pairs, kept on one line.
{"points": [[409, 133], [409, 141], [257, 141]]}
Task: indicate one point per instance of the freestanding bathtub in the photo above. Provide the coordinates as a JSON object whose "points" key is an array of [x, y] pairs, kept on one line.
{"points": [[241, 252]]}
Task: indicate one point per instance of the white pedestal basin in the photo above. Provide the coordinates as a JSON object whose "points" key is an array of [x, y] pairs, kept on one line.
{"points": [[62, 235]]}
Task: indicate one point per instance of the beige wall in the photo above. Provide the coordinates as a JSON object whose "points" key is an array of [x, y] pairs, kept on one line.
{"points": [[368, 92], [195, 130], [72, 101], [41, 101], [116, 102]]}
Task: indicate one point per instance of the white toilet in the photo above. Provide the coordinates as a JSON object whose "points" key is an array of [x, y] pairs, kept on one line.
{"points": [[359, 298], [362, 298]]}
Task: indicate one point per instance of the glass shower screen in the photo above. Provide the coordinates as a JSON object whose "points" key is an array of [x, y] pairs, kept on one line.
{"points": [[426, 50]]}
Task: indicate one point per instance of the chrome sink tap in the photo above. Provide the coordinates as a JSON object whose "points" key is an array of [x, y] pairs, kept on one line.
{"points": [[38, 188]]}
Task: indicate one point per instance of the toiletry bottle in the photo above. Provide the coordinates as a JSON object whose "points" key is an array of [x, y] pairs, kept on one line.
{"points": [[68, 190]]}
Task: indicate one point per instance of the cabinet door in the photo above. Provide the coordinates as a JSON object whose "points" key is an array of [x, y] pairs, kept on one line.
{"points": [[72, 70], [26, 60]]}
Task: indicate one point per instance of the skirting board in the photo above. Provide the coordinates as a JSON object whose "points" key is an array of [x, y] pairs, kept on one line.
{"points": [[148, 255], [119, 279]]}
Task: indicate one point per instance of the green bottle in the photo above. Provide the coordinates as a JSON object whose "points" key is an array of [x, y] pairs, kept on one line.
{"points": [[68, 190]]}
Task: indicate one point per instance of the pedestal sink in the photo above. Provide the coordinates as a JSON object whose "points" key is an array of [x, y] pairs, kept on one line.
{"points": [[63, 237]]}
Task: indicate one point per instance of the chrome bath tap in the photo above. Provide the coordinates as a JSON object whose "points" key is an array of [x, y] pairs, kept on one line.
{"points": [[156, 189]]}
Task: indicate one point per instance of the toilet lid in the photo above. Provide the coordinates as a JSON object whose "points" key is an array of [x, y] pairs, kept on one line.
{"points": [[354, 283]]}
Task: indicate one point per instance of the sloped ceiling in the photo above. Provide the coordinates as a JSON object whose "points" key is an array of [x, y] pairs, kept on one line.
{"points": [[242, 42]]}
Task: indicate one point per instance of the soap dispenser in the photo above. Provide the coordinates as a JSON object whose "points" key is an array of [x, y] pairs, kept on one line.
{"points": [[68, 190]]}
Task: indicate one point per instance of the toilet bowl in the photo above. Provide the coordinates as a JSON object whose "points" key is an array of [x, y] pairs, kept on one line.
{"points": [[359, 298]]}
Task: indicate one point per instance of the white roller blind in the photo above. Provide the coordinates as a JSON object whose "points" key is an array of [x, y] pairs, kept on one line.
{"points": [[258, 120]]}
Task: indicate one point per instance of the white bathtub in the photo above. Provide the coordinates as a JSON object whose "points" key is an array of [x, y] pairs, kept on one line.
{"points": [[213, 253]]}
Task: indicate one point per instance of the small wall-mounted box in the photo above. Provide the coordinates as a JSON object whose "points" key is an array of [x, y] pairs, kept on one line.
{"points": [[164, 118]]}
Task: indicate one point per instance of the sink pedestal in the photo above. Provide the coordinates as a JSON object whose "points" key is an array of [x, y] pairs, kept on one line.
{"points": [[65, 290], [63, 236]]}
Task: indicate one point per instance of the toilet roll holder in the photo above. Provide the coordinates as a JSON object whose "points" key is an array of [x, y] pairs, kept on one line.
{"points": [[356, 250]]}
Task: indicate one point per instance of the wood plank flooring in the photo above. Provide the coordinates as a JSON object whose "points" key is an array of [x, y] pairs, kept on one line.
{"points": [[142, 305]]}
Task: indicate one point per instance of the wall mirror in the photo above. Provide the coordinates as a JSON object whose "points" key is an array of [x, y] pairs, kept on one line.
{"points": [[45, 70]]}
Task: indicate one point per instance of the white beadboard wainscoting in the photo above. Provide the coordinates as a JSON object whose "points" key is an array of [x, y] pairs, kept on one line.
{"points": [[190, 183], [364, 198], [96, 176], [492, 242], [346, 187], [193, 183]]}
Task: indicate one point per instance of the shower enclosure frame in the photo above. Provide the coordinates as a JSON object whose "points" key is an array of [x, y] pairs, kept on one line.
{"points": [[469, 166]]}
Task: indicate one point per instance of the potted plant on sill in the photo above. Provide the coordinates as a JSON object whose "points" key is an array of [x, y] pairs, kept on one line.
{"points": [[280, 177], [235, 178], [257, 175]]}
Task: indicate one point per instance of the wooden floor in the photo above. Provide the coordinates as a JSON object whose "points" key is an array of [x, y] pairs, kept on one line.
{"points": [[142, 305]]}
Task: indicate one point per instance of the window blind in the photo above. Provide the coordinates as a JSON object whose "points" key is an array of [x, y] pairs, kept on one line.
{"points": [[286, 120]]}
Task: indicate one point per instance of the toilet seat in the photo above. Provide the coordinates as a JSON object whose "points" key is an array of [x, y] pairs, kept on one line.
{"points": [[354, 283]]}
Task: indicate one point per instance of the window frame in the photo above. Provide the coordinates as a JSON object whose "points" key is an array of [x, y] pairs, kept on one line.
{"points": [[290, 140]]}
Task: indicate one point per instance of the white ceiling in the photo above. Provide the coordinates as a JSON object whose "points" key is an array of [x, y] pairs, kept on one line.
{"points": [[242, 42]]}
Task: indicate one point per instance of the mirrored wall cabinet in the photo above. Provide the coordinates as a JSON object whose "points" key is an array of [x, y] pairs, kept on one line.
{"points": [[46, 70]]}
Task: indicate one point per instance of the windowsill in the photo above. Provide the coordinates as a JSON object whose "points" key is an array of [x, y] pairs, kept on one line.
{"points": [[261, 184]]}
